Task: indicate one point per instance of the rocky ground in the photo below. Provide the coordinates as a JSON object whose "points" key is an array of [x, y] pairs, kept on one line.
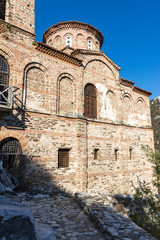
{"points": [[64, 215], [70, 222]]}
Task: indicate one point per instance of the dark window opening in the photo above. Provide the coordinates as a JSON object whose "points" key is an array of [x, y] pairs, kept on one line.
{"points": [[11, 155], [116, 153], [96, 153], [2, 9], [130, 153], [90, 101], [4, 80], [63, 158]]}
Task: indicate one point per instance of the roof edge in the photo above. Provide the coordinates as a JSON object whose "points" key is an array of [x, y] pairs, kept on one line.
{"points": [[42, 47], [140, 90], [98, 53]]}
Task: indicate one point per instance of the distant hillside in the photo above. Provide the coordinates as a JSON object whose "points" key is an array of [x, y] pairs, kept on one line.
{"points": [[155, 115]]}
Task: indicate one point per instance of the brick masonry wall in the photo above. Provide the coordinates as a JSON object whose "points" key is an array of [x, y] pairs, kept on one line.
{"points": [[52, 91], [79, 39], [21, 14]]}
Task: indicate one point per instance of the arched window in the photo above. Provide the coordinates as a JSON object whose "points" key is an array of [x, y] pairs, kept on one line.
{"points": [[2, 9], [50, 42], [10, 155], [69, 41], [89, 44], [4, 78], [90, 101]]}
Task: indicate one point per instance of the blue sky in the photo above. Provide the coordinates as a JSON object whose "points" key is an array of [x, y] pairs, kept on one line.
{"points": [[131, 30]]}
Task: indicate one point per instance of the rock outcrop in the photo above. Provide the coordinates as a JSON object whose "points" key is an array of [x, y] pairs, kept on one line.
{"points": [[7, 181], [16, 221]]}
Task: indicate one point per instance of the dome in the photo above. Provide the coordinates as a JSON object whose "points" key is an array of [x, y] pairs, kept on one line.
{"points": [[73, 34]]}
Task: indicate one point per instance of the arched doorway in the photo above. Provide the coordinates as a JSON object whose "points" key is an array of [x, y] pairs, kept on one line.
{"points": [[11, 156]]}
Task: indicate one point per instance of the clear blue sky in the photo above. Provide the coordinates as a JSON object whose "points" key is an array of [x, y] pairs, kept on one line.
{"points": [[131, 30]]}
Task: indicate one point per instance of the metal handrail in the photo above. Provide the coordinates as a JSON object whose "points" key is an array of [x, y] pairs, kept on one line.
{"points": [[6, 96]]}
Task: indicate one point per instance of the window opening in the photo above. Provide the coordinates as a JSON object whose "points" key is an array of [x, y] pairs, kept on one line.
{"points": [[11, 155], [68, 41], [2, 9], [130, 153], [116, 153], [89, 44], [90, 101], [4, 80], [50, 43], [63, 158], [96, 153]]}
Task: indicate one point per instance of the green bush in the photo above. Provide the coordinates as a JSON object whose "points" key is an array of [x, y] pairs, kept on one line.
{"points": [[149, 216]]}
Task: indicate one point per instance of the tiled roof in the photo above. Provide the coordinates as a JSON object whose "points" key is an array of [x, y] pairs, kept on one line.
{"points": [[128, 83], [98, 53], [142, 91], [42, 47]]}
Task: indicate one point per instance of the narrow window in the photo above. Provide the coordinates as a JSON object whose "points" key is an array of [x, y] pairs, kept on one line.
{"points": [[2, 9], [90, 101], [69, 41], [63, 158], [130, 153], [4, 80], [96, 153], [50, 43], [116, 153], [89, 44]]}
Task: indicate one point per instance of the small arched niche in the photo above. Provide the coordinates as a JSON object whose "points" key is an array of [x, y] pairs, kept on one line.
{"points": [[140, 105], [126, 102]]}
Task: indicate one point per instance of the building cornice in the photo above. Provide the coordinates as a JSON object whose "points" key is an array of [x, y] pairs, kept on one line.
{"points": [[130, 84], [141, 91], [96, 53], [42, 47], [126, 82], [73, 24], [5, 26]]}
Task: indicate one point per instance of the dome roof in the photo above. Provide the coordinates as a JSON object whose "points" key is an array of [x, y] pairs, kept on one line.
{"points": [[73, 25]]}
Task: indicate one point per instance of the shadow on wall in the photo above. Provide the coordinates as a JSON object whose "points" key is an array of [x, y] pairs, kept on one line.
{"points": [[37, 179]]}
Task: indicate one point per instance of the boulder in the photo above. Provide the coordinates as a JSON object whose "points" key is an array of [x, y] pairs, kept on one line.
{"points": [[16, 221], [2, 189], [7, 180], [44, 232]]}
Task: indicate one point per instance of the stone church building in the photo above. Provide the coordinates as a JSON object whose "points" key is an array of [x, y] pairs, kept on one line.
{"points": [[67, 119]]}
